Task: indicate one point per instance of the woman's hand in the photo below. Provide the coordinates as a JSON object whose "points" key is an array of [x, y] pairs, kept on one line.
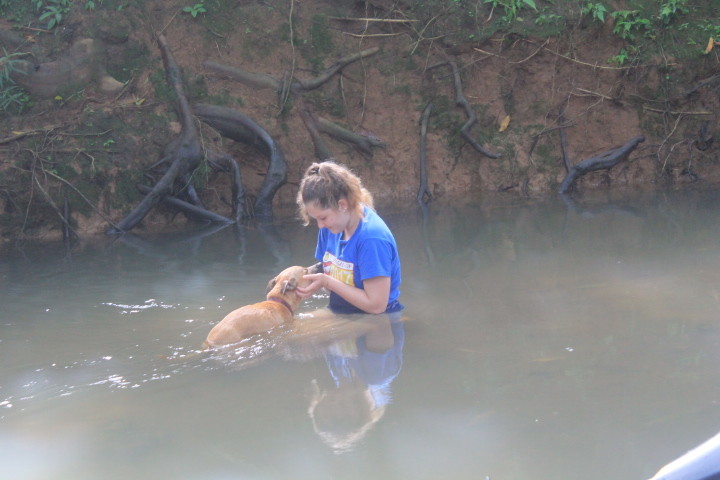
{"points": [[373, 298], [317, 281]]}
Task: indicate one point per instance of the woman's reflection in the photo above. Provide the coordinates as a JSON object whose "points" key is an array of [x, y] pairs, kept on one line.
{"points": [[363, 356]]}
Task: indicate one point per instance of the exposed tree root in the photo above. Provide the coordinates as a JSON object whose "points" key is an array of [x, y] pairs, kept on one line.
{"points": [[363, 143], [463, 102], [189, 209], [424, 195], [563, 144], [183, 155], [226, 163], [226, 120], [296, 86], [322, 152], [604, 161], [251, 79]]}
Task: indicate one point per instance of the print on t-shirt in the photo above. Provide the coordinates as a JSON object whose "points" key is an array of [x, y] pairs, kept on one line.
{"points": [[339, 269]]}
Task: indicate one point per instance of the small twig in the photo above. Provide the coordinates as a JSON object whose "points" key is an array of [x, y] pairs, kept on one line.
{"points": [[701, 84], [219, 35], [168, 23], [285, 95], [32, 194], [533, 54], [563, 143], [104, 217], [51, 202], [370, 35], [421, 32], [580, 62], [18, 135], [34, 29], [670, 112], [595, 94], [380, 20], [677, 122], [98, 134]]}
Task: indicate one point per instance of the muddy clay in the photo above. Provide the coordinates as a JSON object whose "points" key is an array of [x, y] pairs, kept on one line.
{"points": [[518, 86]]}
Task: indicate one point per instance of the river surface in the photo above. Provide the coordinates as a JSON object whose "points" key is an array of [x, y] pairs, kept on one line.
{"points": [[542, 339]]}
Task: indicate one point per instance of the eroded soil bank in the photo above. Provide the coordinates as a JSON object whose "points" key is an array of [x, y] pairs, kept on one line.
{"points": [[88, 144]]}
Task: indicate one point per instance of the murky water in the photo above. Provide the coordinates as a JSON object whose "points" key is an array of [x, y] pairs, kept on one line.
{"points": [[541, 340]]}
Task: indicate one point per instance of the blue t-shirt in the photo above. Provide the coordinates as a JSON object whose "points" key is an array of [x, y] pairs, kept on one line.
{"points": [[376, 369], [370, 252]]}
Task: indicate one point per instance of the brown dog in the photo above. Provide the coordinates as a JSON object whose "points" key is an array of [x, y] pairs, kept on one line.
{"points": [[279, 308]]}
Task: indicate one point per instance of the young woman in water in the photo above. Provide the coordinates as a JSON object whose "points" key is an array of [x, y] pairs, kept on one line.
{"points": [[358, 251]]}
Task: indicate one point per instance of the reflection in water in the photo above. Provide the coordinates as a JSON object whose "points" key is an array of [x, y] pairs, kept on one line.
{"points": [[540, 340], [362, 370], [363, 354]]}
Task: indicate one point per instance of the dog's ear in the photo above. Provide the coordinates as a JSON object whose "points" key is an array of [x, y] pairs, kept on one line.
{"points": [[317, 268], [270, 285], [289, 285]]}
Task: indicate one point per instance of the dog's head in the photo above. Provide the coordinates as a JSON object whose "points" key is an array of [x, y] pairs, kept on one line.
{"points": [[289, 279]]}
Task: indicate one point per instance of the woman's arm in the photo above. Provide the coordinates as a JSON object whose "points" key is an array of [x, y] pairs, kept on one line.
{"points": [[372, 298]]}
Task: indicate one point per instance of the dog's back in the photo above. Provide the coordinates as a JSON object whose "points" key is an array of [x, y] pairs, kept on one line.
{"points": [[247, 321], [279, 308]]}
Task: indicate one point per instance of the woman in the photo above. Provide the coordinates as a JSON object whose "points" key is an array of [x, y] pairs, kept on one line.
{"points": [[359, 254]]}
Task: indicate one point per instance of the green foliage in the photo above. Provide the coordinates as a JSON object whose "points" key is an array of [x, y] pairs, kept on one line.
{"points": [[52, 11], [596, 10], [548, 18], [512, 7], [671, 9], [195, 10], [628, 23], [12, 98], [620, 58], [92, 5]]}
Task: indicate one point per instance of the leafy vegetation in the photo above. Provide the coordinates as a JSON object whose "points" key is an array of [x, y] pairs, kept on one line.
{"points": [[595, 10], [13, 99], [195, 10], [511, 8], [52, 11]]}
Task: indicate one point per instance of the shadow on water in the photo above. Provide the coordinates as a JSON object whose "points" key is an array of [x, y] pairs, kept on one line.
{"points": [[540, 339]]}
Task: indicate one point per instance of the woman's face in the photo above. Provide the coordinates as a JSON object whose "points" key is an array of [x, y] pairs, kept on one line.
{"points": [[334, 219]]}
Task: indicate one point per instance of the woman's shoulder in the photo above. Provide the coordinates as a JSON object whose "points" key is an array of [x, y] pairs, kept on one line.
{"points": [[375, 227]]}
